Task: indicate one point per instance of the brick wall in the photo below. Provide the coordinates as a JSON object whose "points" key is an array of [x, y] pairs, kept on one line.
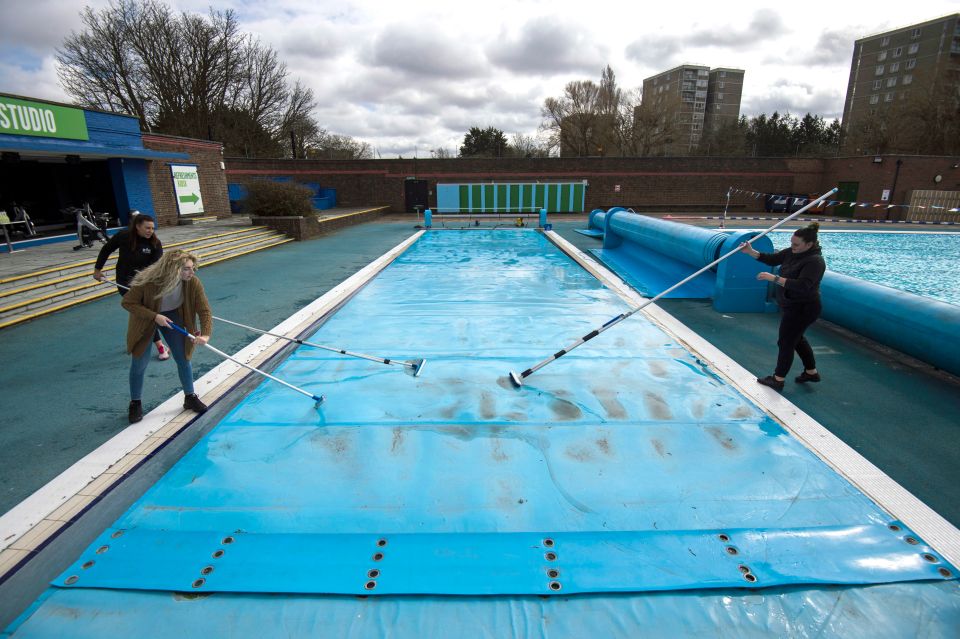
{"points": [[653, 184], [213, 185]]}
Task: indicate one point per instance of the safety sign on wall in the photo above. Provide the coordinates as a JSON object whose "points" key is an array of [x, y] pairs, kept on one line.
{"points": [[186, 189]]}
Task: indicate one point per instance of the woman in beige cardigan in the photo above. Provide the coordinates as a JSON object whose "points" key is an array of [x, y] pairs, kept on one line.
{"points": [[166, 292]]}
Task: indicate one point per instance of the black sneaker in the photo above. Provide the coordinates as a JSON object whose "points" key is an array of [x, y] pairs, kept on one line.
{"points": [[772, 382], [193, 403], [135, 411], [805, 377]]}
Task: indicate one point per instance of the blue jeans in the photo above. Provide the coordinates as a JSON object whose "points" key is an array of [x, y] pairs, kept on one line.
{"points": [[176, 341]]}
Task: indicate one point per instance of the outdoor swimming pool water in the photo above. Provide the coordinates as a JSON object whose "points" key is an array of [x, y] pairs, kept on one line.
{"points": [[927, 264]]}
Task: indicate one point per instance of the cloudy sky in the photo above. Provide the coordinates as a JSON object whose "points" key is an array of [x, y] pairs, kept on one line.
{"points": [[413, 76]]}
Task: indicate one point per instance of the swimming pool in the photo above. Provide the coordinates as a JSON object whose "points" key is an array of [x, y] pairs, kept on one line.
{"points": [[926, 264], [628, 473]]}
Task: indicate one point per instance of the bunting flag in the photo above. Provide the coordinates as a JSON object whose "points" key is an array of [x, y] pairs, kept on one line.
{"points": [[827, 203]]}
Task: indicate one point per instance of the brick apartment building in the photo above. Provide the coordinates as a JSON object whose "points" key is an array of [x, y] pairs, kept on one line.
{"points": [[888, 68], [697, 98]]}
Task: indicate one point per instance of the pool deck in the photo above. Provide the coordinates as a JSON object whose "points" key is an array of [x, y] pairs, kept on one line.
{"points": [[898, 413]]}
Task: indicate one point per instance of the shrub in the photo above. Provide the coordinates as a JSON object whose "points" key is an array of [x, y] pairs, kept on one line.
{"points": [[269, 198]]}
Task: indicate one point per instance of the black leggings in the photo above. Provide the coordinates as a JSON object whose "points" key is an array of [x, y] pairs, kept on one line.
{"points": [[796, 320]]}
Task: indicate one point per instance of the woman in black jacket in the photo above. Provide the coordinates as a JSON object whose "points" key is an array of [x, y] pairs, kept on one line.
{"points": [[139, 247], [798, 294]]}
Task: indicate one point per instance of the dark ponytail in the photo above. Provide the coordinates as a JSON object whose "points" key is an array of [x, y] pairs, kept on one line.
{"points": [[809, 232], [135, 221]]}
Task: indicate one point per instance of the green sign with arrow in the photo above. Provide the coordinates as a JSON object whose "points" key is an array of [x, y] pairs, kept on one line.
{"points": [[186, 187]]}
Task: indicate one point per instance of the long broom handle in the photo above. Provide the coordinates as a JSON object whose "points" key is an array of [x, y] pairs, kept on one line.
{"points": [[372, 358], [619, 318], [317, 399]]}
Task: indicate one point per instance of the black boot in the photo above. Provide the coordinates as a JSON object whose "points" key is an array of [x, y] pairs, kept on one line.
{"points": [[805, 377], [135, 412], [772, 382], [193, 403]]}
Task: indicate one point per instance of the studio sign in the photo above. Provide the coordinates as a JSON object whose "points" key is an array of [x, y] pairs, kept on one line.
{"points": [[24, 117]]}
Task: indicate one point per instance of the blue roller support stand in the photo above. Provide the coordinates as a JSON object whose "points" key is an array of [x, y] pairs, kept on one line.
{"points": [[543, 218], [428, 219]]}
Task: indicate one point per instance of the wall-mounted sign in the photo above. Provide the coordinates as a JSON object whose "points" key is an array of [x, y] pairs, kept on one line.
{"points": [[24, 117], [616, 188], [885, 196], [186, 189]]}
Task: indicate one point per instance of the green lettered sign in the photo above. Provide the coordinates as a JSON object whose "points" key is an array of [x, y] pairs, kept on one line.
{"points": [[23, 117], [186, 188]]}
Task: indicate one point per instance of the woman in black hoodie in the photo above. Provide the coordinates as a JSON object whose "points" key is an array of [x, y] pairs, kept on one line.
{"points": [[139, 247], [798, 294]]}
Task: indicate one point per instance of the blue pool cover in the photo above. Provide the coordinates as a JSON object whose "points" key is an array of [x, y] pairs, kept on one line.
{"points": [[626, 480]]}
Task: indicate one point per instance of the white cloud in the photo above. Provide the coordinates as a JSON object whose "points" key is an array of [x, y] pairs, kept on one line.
{"points": [[412, 76]]}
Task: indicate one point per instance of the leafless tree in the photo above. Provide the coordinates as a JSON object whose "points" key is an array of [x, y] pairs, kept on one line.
{"points": [[528, 146], [183, 74]]}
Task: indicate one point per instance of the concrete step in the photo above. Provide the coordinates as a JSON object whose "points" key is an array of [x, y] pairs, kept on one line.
{"points": [[23, 307], [48, 285], [86, 265]]}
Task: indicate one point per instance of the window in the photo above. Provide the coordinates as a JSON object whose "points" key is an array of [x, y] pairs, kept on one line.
{"points": [[911, 63], [915, 34], [908, 79], [698, 106], [696, 126], [913, 48], [703, 73], [879, 69], [874, 99], [894, 67], [702, 84], [897, 52], [721, 84], [881, 56], [719, 97], [891, 82], [885, 41], [888, 97], [877, 84], [723, 74]]}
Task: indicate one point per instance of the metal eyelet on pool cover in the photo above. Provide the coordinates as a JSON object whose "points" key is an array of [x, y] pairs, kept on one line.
{"points": [[370, 585], [550, 556], [373, 574], [732, 551], [377, 556], [750, 577], [227, 540], [117, 533], [723, 537], [911, 540], [199, 582], [381, 543], [930, 558], [218, 554], [894, 527], [945, 573], [88, 564], [553, 573], [555, 585], [548, 542], [102, 549], [72, 579], [206, 570]]}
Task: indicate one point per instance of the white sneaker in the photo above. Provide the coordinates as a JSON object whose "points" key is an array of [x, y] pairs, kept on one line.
{"points": [[162, 353]]}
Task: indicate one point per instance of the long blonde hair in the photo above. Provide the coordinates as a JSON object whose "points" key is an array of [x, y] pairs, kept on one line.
{"points": [[165, 272]]}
